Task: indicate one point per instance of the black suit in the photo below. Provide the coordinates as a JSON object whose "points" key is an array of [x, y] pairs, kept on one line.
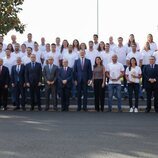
{"points": [[4, 80], [33, 75], [18, 79], [65, 88], [152, 73]]}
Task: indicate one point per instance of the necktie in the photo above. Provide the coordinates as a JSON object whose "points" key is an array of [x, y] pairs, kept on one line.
{"points": [[18, 68], [65, 70], [82, 63], [50, 68], [33, 65]]}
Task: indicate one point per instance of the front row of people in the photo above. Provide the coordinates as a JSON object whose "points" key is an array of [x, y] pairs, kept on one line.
{"points": [[59, 80]]}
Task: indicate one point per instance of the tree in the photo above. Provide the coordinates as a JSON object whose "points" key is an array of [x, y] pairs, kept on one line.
{"points": [[9, 20]]}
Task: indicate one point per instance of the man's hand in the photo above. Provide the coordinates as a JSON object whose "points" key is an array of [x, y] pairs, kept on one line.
{"points": [[28, 84], [6, 86], [64, 81]]}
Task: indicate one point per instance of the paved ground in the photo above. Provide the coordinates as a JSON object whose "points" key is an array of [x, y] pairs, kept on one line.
{"points": [[78, 135]]}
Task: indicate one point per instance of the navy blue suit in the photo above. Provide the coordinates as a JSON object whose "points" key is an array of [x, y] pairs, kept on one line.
{"points": [[82, 75], [4, 80], [152, 73], [33, 75], [65, 88], [18, 79]]}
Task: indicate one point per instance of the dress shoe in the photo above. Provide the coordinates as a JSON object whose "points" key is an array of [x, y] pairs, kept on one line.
{"points": [[147, 110], [32, 109], [46, 109], [39, 109], [23, 109]]}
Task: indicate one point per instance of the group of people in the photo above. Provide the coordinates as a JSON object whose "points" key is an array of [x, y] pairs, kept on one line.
{"points": [[66, 70]]}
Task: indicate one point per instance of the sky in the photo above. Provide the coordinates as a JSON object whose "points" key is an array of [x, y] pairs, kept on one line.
{"points": [[71, 19]]}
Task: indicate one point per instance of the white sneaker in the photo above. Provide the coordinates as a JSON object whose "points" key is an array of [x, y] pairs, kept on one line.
{"points": [[131, 110], [135, 110]]}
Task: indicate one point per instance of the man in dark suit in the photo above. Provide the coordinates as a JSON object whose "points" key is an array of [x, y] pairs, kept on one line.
{"points": [[65, 83], [82, 77], [18, 83], [50, 73], [4, 83], [151, 83], [33, 79]]}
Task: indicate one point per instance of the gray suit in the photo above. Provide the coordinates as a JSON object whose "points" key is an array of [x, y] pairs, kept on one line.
{"points": [[51, 75]]}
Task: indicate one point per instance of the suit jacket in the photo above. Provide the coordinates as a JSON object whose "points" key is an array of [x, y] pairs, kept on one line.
{"points": [[50, 75], [33, 75], [18, 76], [68, 75], [84, 74], [150, 73], [4, 76]]}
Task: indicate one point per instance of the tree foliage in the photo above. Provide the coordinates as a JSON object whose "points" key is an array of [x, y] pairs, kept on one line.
{"points": [[9, 19]]}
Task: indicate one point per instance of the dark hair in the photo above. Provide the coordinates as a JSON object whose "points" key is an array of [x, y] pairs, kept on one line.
{"points": [[62, 46], [11, 49], [131, 42], [120, 38], [130, 63], [84, 44], [78, 45], [30, 48], [101, 63], [24, 45], [95, 35], [90, 42], [53, 44], [99, 48]]}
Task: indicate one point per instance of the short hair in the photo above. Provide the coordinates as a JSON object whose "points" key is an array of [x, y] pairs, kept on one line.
{"points": [[95, 35], [107, 44], [90, 42], [53, 44], [120, 38], [30, 48]]}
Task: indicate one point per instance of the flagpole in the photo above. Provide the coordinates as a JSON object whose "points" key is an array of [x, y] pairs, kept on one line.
{"points": [[98, 17]]}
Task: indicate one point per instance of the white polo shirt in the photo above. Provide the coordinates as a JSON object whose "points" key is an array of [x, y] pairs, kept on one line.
{"points": [[42, 48], [106, 57], [2, 54], [153, 46], [121, 53], [134, 71], [9, 62], [18, 54], [29, 44], [91, 55], [130, 49], [112, 47], [95, 46], [146, 55], [137, 55], [155, 54], [115, 70], [4, 47], [26, 60], [71, 57], [38, 55]]}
